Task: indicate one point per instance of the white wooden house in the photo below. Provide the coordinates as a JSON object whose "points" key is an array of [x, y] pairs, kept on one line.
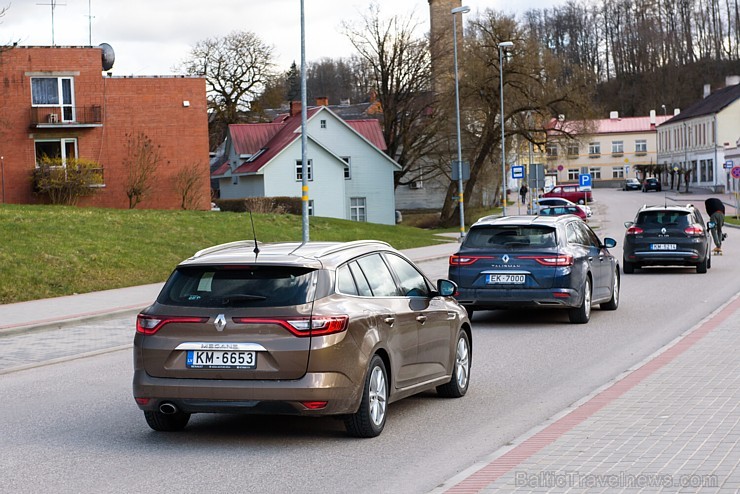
{"points": [[349, 175]]}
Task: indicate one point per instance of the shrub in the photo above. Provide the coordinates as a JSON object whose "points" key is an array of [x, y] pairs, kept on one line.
{"points": [[64, 182], [278, 205]]}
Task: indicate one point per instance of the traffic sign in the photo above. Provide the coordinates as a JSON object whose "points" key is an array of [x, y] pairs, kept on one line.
{"points": [[584, 180], [735, 172], [729, 164], [517, 171]]}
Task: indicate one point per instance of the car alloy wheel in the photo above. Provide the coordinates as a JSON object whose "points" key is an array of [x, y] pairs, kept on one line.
{"points": [[369, 419], [458, 383], [581, 314]]}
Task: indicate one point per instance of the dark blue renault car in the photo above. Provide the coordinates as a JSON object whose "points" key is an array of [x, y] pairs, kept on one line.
{"points": [[515, 262]]}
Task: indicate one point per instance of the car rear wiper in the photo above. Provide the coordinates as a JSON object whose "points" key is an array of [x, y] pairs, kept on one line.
{"points": [[242, 297]]}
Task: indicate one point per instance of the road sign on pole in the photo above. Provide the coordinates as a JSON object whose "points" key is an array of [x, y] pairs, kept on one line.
{"points": [[584, 180], [517, 172]]}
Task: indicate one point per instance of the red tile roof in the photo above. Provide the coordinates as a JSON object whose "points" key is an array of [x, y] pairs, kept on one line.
{"points": [[276, 136], [613, 125]]}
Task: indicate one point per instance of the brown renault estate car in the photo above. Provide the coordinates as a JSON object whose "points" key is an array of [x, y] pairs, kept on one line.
{"points": [[319, 328]]}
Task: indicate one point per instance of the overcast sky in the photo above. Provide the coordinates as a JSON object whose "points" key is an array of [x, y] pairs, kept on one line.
{"points": [[150, 37]]}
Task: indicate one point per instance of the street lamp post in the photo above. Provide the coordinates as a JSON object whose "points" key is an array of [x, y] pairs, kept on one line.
{"points": [[461, 10], [501, 46]]}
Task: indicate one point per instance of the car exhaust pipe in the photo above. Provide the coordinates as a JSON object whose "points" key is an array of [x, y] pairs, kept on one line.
{"points": [[167, 408]]}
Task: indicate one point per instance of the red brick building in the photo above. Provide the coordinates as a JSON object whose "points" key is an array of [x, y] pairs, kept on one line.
{"points": [[58, 100]]}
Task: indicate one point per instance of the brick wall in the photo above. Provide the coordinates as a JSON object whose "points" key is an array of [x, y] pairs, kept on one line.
{"points": [[152, 105]]}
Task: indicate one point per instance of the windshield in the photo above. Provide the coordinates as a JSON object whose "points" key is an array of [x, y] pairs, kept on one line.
{"points": [[510, 237], [238, 286]]}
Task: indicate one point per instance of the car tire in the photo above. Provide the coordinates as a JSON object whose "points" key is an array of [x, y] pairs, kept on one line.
{"points": [[702, 267], [166, 422], [613, 302], [582, 313], [458, 385], [628, 267], [369, 419]]}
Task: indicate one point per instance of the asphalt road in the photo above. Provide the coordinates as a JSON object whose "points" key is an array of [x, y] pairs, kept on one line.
{"points": [[72, 426]]}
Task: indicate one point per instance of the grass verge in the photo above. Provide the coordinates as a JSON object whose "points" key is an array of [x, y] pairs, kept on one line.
{"points": [[50, 251]]}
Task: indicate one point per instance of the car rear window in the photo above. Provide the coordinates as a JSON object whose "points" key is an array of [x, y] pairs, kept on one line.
{"points": [[238, 286], [510, 237], [663, 218]]}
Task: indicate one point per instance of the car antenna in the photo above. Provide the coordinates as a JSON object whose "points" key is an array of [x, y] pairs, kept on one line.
{"points": [[254, 236]]}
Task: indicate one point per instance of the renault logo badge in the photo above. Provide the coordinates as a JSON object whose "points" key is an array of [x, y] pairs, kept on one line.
{"points": [[663, 231], [220, 322], [505, 258]]}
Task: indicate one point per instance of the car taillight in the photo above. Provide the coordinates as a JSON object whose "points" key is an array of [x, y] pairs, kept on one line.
{"points": [[551, 260], [458, 260], [151, 324], [694, 230], [634, 230], [303, 326]]}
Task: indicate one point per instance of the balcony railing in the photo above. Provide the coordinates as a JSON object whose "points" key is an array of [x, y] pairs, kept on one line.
{"points": [[66, 116]]}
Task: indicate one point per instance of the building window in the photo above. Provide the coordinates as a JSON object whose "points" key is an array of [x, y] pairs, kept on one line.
{"points": [[641, 146], [594, 149], [323, 124], [552, 150], [573, 173], [595, 173], [617, 172], [54, 92], [357, 209], [347, 168], [63, 149], [617, 148], [573, 149], [299, 170]]}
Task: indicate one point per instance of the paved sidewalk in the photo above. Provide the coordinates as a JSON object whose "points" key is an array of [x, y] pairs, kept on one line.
{"points": [[60, 311], [671, 424]]}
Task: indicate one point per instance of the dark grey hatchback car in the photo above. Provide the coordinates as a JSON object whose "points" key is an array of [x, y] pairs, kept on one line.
{"points": [[313, 329], [667, 236]]}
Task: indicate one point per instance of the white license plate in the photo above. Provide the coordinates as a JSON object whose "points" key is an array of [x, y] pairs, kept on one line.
{"points": [[508, 279], [663, 246], [209, 359]]}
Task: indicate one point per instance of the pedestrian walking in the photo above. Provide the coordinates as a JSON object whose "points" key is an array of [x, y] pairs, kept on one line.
{"points": [[523, 192], [716, 211]]}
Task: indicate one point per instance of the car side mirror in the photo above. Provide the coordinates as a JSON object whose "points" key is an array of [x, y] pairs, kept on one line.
{"points": [[446, 288], [628, 224], [609, 242]]}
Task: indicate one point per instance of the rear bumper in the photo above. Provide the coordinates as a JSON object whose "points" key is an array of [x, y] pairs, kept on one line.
{"points": [[666, 258], [256, 397], [491, 298]]}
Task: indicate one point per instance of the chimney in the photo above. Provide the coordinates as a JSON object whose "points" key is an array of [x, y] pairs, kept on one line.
{"points": [[732, 80], [707, 90], [652, 117], [295, 108], [614, 115], [322, 101]]}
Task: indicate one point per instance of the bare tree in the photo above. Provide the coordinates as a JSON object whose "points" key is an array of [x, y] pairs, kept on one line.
{"points": [[398, 64], [141, 162], [236, 68], [537, 87], [187, 185]]}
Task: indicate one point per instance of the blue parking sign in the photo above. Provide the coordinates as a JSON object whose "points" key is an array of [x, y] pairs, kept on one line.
{"points": [[584, 180]]}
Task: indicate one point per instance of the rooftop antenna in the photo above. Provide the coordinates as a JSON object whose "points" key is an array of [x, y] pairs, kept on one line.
{"points": [[53, 4], [254, 236], [90, 17]]}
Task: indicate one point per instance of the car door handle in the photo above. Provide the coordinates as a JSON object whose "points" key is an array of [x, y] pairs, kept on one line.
{"points": [[422, 319], [389, 320]]}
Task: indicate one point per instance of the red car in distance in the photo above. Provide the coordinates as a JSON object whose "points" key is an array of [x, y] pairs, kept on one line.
{"points": [[572, 192]]}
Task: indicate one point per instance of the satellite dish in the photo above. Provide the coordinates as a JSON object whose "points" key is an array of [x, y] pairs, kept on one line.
{"points": [[108, 56]]}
